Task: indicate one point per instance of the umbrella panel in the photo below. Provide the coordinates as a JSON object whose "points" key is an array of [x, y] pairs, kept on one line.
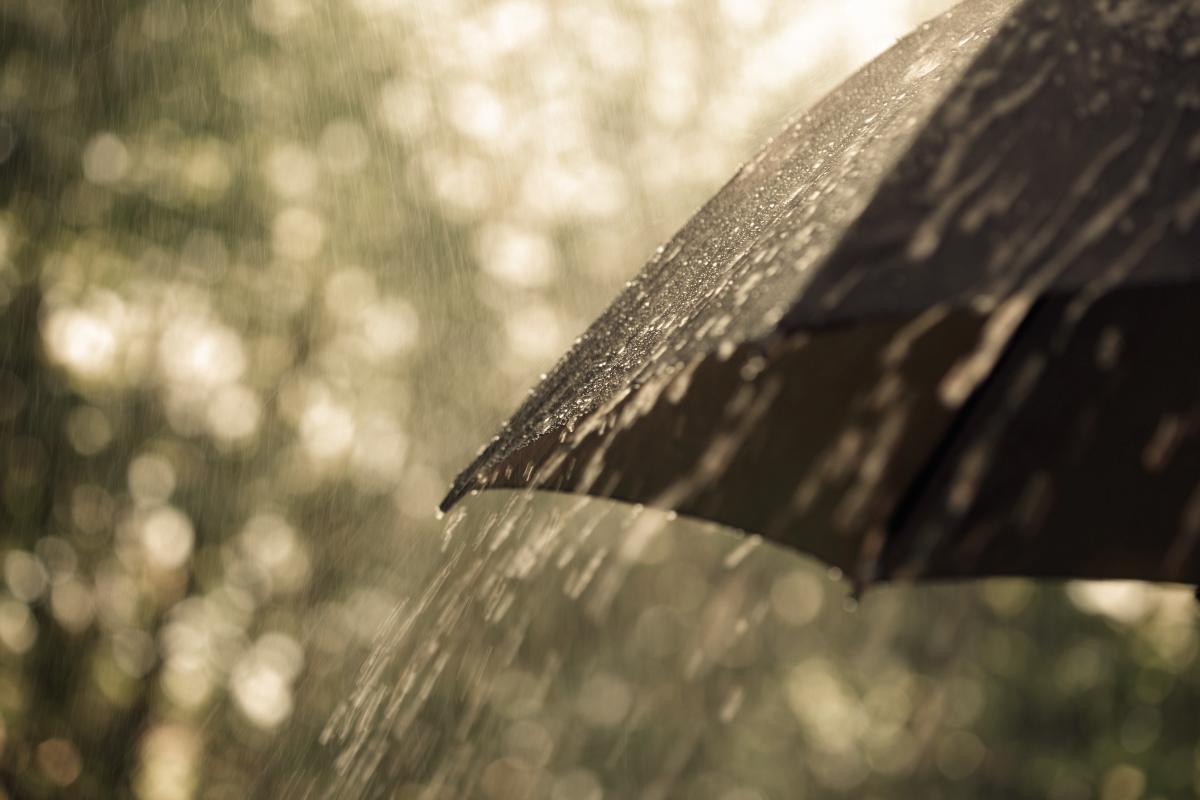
{"points": [[809, 440], [1080, 456]]}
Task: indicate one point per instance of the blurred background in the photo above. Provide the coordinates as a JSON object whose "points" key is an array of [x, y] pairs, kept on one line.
{"points": [[271, 270]]}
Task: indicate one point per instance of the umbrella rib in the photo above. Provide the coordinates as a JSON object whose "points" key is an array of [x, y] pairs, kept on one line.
{"points": [[925, 477]]}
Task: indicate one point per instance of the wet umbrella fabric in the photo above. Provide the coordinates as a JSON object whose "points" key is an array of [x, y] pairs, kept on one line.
{"points": [[947, 324]]}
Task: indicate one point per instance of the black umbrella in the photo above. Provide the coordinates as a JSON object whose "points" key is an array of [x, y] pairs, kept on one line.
{"points": [[947, 324]]}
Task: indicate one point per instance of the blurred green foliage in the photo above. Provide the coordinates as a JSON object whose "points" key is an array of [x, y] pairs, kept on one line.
{"points": [[268, 271]]}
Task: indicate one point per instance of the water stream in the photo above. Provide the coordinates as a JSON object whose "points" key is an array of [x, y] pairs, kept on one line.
{"points": [[573, 648]]}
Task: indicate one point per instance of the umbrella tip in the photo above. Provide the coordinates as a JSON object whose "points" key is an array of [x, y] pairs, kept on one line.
{"points": [[858, 587], [456, 493]]}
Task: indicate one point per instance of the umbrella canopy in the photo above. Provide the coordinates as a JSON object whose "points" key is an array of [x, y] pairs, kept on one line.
{"points": [[947, 324]]}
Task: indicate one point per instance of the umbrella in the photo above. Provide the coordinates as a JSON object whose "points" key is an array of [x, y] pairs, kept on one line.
{"points": [[947, 324]]}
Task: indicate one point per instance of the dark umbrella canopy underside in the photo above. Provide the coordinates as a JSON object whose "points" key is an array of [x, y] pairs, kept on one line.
{"points": [[947, 324]]}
